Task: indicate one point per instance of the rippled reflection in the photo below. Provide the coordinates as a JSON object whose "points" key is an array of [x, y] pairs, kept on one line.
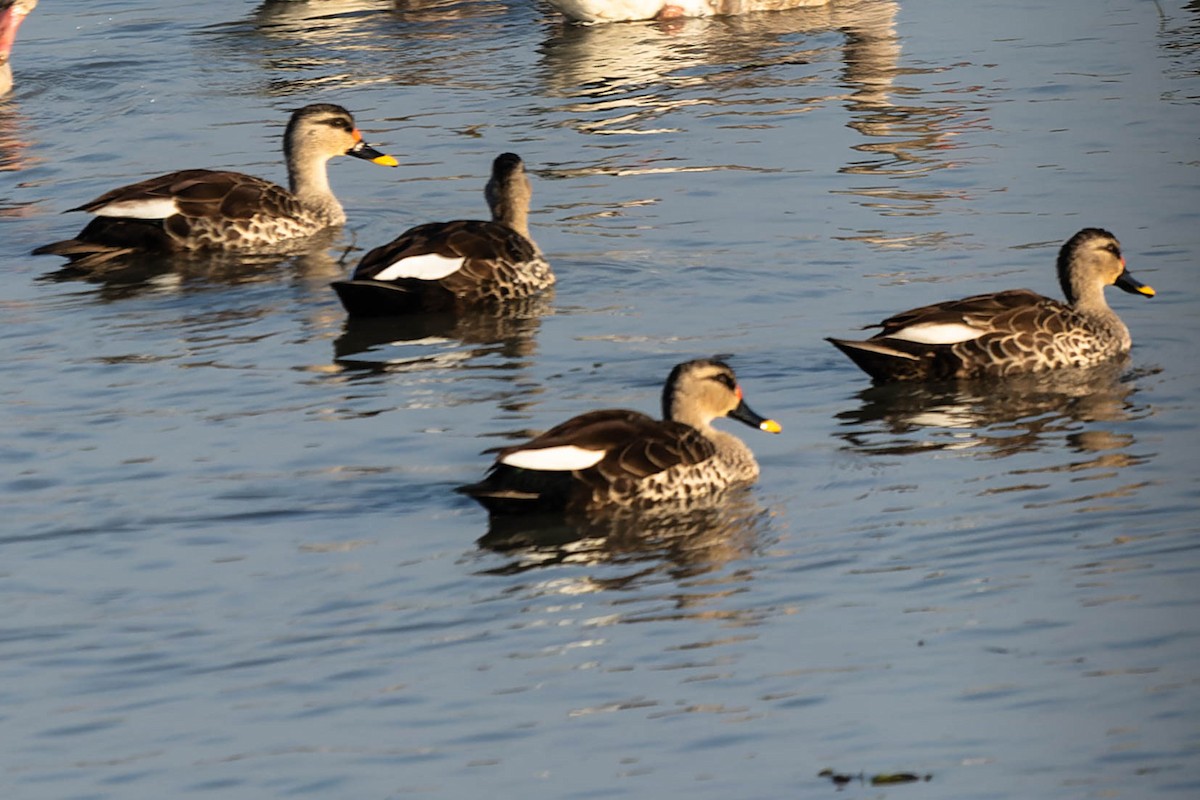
{"points": [[311, 260], [763, 70], [305, 45], [640, 546], [15, 153], [340, 21], [1180, 41], [1000, 418], [435, 341], [626, 78], [757, 71], [314, 20], [907, 135]]}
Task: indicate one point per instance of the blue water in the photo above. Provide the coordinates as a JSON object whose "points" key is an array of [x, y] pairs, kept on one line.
{"points": [[231, 563]]}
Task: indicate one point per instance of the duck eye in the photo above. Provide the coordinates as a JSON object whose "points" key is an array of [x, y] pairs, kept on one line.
{"points": [[726, 381], [340, 124]]}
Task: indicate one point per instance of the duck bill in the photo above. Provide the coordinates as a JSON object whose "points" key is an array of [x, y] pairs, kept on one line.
{"points": [[367, 153], [1133, 286], [743, 413]]}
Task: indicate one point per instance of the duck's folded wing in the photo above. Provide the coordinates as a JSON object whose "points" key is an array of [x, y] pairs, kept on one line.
{"points": [[437, 250], [195, 193], [656, 449], [615, 443], [957, 320]]}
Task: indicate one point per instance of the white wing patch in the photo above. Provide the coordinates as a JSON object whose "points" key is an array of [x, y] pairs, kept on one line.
{"points": [[937, 333], [428, 267], [555, 459], [157, 208]]}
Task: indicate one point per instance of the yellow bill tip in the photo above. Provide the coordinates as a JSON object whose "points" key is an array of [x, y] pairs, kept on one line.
{"points": [[1147, 290], [385, 161], [770, 426]]}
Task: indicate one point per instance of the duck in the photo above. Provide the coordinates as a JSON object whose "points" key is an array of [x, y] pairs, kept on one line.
{"points": [[453, 266], [201, 209], [622, 460], [1012, 332], [12, 14], [590, 12]]}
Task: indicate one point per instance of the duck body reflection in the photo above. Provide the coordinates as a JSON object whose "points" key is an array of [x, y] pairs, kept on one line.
{"points": [[1019, 414], [638, 546], [369, 344], [309, 260]]}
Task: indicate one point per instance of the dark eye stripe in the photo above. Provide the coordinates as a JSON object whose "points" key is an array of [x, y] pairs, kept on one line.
{"points": [[725, 380]]}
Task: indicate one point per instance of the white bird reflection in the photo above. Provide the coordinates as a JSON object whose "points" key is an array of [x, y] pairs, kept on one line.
{"points": [[767, 71], [18, 152], [633, 73]]}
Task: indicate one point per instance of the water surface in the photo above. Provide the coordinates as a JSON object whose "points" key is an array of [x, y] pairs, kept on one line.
{"points": [[232, 563]]}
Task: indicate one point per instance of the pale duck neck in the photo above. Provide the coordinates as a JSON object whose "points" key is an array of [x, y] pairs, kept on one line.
{"points": [[508, 199], [308, 180], [513, 212], [1087, 297]]}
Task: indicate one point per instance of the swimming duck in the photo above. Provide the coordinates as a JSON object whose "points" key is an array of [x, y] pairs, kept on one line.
{"points": [[200, 209], [12, 14], [1007, 333], [592, 11], [616, 459], [448, 266]]}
